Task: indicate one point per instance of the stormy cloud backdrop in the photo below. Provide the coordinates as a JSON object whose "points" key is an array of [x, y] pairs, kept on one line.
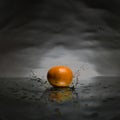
{"points": [[83, 34]]}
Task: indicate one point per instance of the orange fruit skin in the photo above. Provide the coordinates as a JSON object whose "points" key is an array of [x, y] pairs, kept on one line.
{"points": [[60, 76]]}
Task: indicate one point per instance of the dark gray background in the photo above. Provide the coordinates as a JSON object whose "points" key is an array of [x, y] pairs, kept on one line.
{"points": [[82, 34], [39, 34]]}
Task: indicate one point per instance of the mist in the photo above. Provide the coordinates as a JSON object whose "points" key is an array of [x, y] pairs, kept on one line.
{"points": [[35, 36]]}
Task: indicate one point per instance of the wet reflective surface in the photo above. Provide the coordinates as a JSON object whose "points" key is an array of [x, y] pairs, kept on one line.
{"points": [[93, 99]]}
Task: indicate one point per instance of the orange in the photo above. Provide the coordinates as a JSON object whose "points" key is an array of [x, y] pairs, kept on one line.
{"points": [[60, 76]]}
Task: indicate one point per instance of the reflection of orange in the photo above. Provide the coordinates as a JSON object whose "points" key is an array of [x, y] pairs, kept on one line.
{"points": [[60, 76], [61, 95]]}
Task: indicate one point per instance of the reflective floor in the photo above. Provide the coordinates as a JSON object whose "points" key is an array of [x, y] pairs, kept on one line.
{"points": [[92, 99]]}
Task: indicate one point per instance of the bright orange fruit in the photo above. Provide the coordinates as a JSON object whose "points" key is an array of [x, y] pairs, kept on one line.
{"points": [[60, 76]]}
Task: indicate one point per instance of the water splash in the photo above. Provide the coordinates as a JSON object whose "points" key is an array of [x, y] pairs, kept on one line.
{"points": [[44, 82]]}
